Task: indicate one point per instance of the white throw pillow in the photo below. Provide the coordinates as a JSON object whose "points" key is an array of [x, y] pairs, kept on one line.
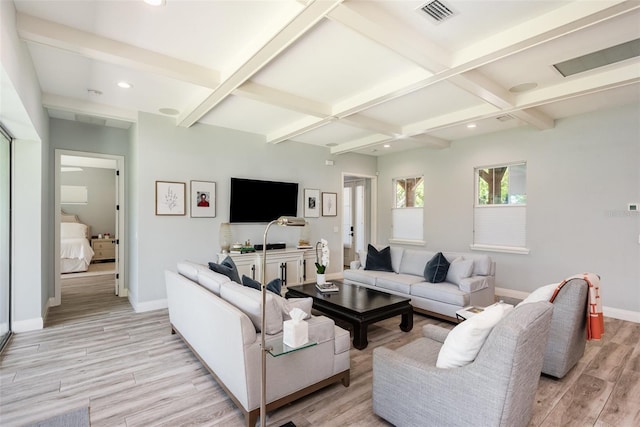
{"points": [[543, 293], [289, 304], [459, 269], [465, 340]]}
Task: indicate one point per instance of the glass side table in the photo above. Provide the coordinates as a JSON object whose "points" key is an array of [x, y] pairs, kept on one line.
{"points": [[276, 347]]}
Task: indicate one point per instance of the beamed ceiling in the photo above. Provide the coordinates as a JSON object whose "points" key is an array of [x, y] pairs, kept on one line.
{"points": [[353, 76]]}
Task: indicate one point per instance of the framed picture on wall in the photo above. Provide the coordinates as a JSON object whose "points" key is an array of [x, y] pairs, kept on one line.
{"points": [[170, 198], [203, 199], [311, 203], [329, 204]]}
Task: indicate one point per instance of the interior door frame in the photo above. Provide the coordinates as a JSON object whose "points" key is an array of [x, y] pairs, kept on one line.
{"points": [[373, 203], [120, 227]]}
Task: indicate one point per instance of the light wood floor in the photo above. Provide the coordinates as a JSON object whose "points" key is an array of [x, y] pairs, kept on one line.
{"points": [[95, 351]]}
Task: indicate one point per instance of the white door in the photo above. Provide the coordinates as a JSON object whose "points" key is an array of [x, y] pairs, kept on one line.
{"points": [[355, 213]]}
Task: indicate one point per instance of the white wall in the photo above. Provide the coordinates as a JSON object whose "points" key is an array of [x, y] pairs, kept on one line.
{"points": [[22, 113], [580, 177], [169, 153]]}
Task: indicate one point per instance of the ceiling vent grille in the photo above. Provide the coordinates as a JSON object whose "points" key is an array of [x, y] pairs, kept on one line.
{"points": [[504, 118], [437, 11], [610, 55]]}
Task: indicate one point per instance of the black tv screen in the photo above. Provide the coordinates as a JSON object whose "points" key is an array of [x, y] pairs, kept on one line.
{"points": [[253, 200]]}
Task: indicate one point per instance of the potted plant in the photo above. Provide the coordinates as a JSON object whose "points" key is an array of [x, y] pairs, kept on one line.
{"points": [[322, 260]]}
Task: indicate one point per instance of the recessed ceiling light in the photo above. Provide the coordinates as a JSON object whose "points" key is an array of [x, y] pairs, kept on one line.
{"points": [[169, 111], [387, 145], [125, 85], [523, 87], [155, 2], [471, 125]]}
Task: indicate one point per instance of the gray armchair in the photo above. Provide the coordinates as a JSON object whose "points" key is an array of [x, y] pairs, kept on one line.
{"points": [[497, 389], [568, 334]]}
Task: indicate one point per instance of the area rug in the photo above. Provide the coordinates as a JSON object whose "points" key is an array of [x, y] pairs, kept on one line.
{"points": [[76, 418]]}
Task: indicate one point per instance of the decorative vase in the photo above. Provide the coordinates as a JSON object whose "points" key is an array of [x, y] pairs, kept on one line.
{"points": [[320, 279], [224, 236]]}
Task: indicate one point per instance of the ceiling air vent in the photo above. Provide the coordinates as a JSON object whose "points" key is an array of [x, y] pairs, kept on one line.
{"points": [[504, 118], [437, 11], [610, 55]]}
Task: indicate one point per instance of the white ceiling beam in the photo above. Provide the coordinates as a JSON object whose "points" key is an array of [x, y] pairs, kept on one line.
{"points": [[78, 106], [360, 143], [578, 86], [429, 141], [364, 122], [297, 128], [279, 98], [304, 21], [395, 36], [35, 30], [451, 119], [556, 23]]}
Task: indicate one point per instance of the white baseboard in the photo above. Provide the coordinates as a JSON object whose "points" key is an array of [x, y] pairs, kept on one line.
{"points": [[148, 305], [615, 313], [27, 325]]}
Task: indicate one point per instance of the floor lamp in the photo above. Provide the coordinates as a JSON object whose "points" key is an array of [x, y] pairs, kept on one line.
{"points": [[285, 221]]}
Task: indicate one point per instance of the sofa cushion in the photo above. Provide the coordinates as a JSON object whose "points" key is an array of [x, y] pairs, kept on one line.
{"points": [[459, 269], [543, 293], [397, 282], [414, 261], [444, 292], [362, 276], [226, 267], [211, 280], [249, 301], [274, 286], [378, 260], [436, 269], [289, 304], [465, 340], [188, 269]]}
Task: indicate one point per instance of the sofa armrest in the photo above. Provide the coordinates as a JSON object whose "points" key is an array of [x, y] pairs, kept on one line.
{"points": [[354, 265], [434, 332], [473, 283], [321, 329]]}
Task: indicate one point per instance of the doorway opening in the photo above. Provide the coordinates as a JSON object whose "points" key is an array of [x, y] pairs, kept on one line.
{"points": [[358, 215], [89, 191]]}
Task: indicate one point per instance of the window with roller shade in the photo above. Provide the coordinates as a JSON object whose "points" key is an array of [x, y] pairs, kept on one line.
{"points": [[408, 210]]}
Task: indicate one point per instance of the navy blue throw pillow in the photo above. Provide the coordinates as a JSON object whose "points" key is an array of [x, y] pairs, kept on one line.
{"points": [[226, 267], [436, 269], [378, 260], [274, 286]]}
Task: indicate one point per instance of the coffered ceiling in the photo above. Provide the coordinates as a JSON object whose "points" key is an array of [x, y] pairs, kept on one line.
{"points": [[350, 75]]}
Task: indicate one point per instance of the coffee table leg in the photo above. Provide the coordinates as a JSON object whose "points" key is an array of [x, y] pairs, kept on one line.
{"points": [[360, 336], [406, 324]]}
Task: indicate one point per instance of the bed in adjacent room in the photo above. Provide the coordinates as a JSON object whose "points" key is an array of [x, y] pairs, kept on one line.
{"points": [[75, 249]]}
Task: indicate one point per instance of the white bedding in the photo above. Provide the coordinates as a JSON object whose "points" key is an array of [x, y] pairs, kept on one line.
{"points": [[75, 251]]}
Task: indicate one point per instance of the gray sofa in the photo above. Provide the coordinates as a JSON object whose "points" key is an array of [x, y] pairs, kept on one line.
{"points": [[440, 299], [217, 319], [497, 389]]}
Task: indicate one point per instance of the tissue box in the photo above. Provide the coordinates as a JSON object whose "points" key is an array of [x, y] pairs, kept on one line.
{"points": [[295, 333]]}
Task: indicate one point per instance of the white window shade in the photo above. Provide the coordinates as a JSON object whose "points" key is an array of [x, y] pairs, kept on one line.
{"points": [[407, 223], [500, 225], [73, 194]]}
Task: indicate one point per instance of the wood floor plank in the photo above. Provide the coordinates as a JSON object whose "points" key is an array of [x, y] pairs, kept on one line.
{"points": [[127, 367]]}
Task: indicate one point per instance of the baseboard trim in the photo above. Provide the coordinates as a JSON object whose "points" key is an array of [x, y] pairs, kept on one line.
{"points": [[27, 325], [615, 313], [148, 305]]}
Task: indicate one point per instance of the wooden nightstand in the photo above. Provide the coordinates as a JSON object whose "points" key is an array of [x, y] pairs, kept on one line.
{"points": [[105, 249]]}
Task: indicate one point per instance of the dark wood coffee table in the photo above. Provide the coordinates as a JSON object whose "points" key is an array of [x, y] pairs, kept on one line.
{"points": [[357, 305]]}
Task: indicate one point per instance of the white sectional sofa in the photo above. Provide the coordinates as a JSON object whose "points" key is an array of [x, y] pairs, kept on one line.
{"points": [[441, 299], [217, 319]]}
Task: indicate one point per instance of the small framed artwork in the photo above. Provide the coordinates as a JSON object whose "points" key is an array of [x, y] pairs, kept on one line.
{"points": [[170, 198], [329, 204], [203, 199], [311, 203]]}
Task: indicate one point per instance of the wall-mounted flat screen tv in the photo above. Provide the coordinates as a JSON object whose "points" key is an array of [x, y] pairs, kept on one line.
{"points": [[253, 200]]}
